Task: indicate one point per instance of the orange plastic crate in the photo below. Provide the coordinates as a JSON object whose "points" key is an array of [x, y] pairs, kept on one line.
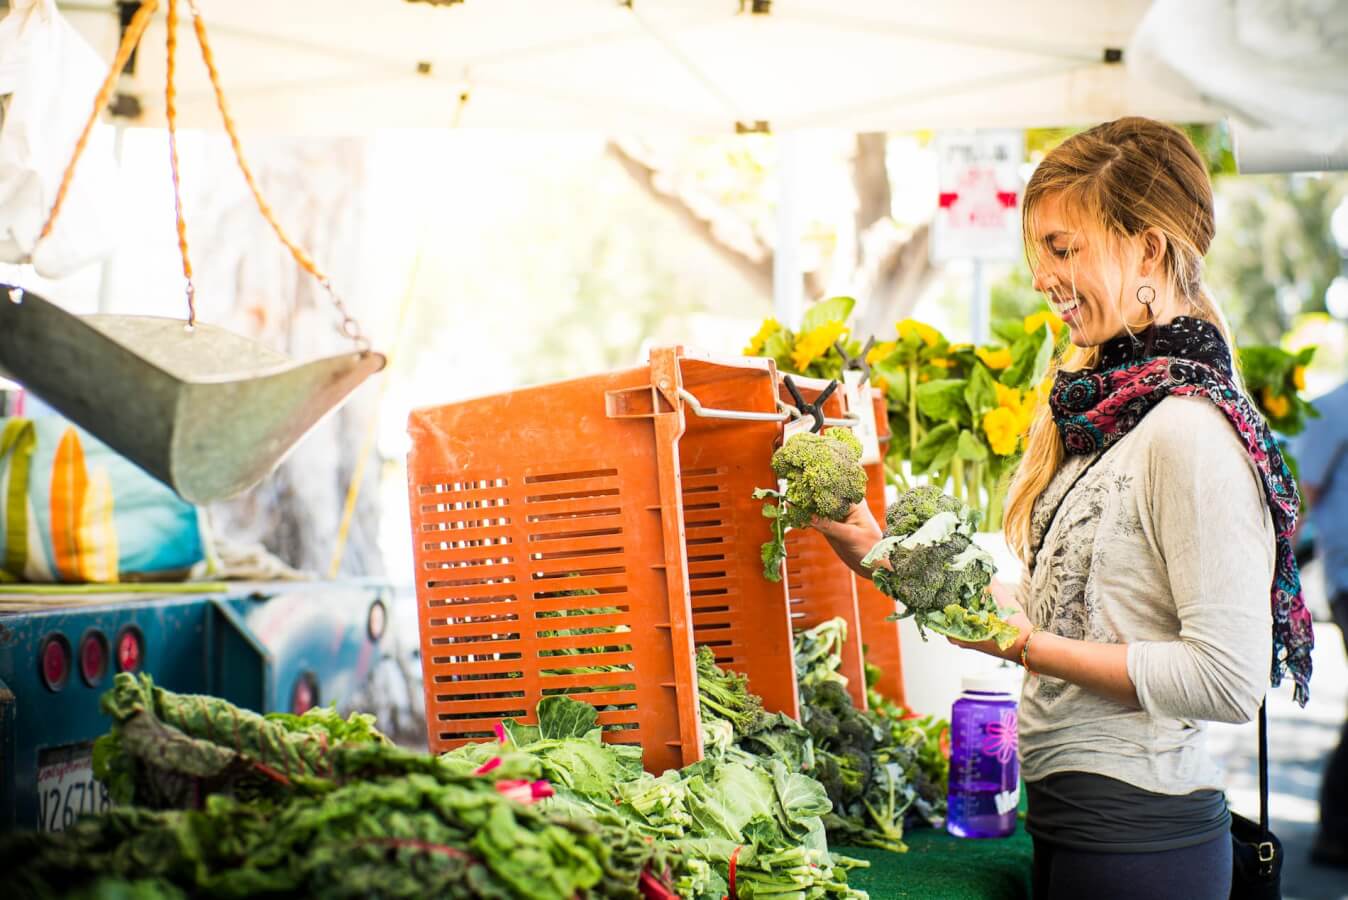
{"points": [[820, 585], [596, 523], [880, 637], [738, 613]]}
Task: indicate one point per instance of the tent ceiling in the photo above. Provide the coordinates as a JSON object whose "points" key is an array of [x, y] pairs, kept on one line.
{"points": [[696, 66]]}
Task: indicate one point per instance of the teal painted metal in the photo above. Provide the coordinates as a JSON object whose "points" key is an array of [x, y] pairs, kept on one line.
{"points": [[252, 646]]}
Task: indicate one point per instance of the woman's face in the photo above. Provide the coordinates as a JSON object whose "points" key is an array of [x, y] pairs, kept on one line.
{"points": [[1090, 284]]}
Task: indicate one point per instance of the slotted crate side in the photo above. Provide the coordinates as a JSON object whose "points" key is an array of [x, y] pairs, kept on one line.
{"points": [[819, 584], [820, 590], [541, 555], [880, 638], [741, 615]]}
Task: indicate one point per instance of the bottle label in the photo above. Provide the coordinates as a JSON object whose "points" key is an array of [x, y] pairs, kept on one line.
{"points": [[1001, 738], [1007, 801]]}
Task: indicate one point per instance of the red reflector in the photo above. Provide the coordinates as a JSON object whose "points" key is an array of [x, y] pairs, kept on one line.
{"points": [[130, 650], [93, 657], [54, 661]]}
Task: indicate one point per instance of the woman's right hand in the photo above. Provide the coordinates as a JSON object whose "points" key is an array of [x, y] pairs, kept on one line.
{"points": [[853, 537]]}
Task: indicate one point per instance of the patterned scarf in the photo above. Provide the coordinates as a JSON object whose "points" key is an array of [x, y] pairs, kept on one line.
{"points": [[1094, 408]]}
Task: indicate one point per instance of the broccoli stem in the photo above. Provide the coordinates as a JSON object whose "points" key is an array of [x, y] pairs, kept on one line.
{"points": [[895, 475], [975, 478], [994, 504], [913, 436]]}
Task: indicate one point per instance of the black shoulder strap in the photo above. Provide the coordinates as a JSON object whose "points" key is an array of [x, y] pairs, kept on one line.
{"points": [[1263, 771]]}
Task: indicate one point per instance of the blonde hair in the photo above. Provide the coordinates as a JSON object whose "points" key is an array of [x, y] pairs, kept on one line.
{"points": [[1120, 178]]}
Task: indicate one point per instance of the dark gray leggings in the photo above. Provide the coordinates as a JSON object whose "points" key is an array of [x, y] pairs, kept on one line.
{"points": [[1201, 872]]}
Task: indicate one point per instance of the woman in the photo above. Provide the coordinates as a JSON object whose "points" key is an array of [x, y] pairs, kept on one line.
{"points": [[1152, 511]]}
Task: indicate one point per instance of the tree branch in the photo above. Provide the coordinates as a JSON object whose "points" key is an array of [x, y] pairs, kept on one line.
{"points": [[733, 241]]}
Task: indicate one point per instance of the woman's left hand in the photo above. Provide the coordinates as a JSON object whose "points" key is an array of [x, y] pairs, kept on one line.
{"points": [[1005, 596]]}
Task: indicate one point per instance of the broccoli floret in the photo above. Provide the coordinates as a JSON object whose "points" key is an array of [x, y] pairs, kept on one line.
{"points": [[923, 579], [915, 507], [823, 475]]}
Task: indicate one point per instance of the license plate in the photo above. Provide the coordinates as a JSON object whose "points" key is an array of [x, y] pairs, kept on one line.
{"points": [[66, 787]]}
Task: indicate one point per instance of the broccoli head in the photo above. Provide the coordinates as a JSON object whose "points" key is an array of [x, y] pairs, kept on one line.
{"points": [[823, 475], [913, 508], [923, 579], [936, 570]]}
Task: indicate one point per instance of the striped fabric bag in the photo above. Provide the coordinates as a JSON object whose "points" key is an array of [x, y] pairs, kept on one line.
{"points": [[72, 510]]}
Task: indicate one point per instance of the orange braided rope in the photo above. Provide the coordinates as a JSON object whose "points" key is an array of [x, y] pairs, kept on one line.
{"points": [[129, 41], [171, 114], [350, 327]]}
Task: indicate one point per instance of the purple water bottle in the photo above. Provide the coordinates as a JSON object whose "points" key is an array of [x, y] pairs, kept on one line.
{"points": [[984, 766]]}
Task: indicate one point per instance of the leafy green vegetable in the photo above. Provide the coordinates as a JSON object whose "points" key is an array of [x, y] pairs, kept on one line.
{"points": [[823, 476], [883, 771], [936, 570], [818, 653], [725, 694], [356, 817]]}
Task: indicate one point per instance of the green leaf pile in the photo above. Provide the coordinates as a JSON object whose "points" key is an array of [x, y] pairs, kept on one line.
{"points": [[884, 771], [314, 805]]}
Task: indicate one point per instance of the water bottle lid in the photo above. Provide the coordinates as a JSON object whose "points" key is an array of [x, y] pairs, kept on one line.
{"points": [[995, 681]]}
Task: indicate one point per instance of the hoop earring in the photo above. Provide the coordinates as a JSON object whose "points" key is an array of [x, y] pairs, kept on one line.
{"points": [[1150, 296]]}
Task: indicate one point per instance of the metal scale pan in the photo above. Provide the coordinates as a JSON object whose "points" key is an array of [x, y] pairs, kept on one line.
{"points": [[206, 411]]}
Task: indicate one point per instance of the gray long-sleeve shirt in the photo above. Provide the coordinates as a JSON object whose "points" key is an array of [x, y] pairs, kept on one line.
{"points": [[1163, 543]]}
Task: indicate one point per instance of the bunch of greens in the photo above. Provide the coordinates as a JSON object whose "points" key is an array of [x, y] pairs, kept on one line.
{"points": [[818, 653], [883, 771], [823, 476], [732, 716], [165, 748], [415, 836], [936, 570], [314, 805], [734, 804]]}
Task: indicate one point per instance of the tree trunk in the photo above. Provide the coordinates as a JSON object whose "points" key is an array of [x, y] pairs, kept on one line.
{"points": [[889, 267]]}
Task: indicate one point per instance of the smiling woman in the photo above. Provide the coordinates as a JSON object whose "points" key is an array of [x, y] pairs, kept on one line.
{"points": [[1151, 603]]}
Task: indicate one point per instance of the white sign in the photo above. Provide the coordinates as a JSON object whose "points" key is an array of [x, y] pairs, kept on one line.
{"points": [[978, 215], [66, 788]]}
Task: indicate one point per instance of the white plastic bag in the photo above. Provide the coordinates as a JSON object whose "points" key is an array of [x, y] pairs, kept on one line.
{"points": [[49, 76]]}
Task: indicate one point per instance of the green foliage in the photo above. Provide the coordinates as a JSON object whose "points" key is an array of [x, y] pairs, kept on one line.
{"points": [[765, 805], [1274, 379], [882, 771], [1274, 254], [1030, 357], [348, 817]]}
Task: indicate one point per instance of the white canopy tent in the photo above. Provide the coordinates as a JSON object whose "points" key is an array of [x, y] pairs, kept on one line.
{"points": [[695, 66]]}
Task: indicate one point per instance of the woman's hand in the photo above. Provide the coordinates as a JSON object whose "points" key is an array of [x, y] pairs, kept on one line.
{"points": [[1005, 596], [853, 537]]}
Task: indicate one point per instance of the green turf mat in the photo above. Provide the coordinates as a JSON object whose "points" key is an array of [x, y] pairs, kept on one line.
{"points": [[939, 866]]}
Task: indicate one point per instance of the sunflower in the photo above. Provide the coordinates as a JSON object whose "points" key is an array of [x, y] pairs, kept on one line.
{"points": [[814, 344], [1036, 321], [995, 358]]}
